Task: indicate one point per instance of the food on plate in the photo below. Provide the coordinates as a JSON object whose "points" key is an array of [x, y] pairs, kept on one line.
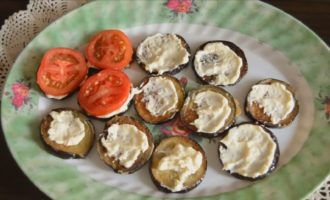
{"points": [[272, 102], [220, 63], [249, 151], [67, 132], [159, 98], [106, 93], [208, 110], [125, 144], [61, 71], [109, 49], [163, 53], [178, 164]]}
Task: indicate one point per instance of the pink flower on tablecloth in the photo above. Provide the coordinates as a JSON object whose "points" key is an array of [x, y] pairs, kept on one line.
{"points": [[21, 94], [179, 6], [183, 81], [324, 99], [174, 127], [327, 107], [20, 89], [17, 101]]}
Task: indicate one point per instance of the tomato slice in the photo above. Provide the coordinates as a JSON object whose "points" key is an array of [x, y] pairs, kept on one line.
{"points": [[110, 49], [104, 92], [61, 71]]}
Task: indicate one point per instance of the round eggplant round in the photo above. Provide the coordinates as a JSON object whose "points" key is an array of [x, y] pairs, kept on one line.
{"points": [[265, 109], [159, 99], [249, 151], [220, 63], [208, 111], [124, 147], [169, 162], [163, 54], [60, 136]]}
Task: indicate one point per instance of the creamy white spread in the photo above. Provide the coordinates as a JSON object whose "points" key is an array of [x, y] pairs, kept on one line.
{"points": [[212, 109], [160, 96], [124, 107], [219, 61], [56, 97], [125, 142], [183, 160], [65, 128], [162, 52], [275, 99], [250, 151]]}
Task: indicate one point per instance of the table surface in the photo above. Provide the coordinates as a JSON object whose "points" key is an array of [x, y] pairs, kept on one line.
{"points": [[15, 185]]}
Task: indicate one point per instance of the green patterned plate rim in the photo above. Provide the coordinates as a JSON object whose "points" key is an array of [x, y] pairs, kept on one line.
{"points": [[252, 18]]}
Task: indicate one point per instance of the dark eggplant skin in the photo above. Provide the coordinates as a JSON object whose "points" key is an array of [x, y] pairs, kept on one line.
{"points": [[140, 106], [112, 162], [188, 114], [57, 149], [257, 114], [233, 47], [175, 140], [271, 168], [175, 70]]}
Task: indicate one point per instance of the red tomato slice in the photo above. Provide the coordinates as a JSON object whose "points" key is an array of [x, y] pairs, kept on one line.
{"points": [[110, 49], [104, 92], [61, 71]]}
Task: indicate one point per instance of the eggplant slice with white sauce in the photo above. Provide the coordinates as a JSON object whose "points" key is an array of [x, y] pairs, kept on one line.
{"points": [[208, 111], [220, 63], [67, 132], [159, 99], [272, 103], [125, 145], [163, 53], [249, 151], [178, 165]]}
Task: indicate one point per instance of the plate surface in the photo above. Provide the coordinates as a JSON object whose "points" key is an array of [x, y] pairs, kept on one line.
{"points": [[276, 46]]}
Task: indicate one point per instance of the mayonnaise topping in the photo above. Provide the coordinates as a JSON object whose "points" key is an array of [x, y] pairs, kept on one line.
{"points": [[125, 142], [56, 97], [65, 128], [212, 109], [275, 99], [219, 61], [160, 96], [162, 52], [183, 160], [249, 150]]}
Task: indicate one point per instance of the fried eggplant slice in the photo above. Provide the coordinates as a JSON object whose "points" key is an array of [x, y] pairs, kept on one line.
{"points": [[272, 102], [208, 111], [67, 132], [178, 165], [125, 145]]}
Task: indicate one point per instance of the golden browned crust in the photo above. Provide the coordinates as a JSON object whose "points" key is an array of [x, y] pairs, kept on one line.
{"points": [[165, 179], [172, 72], [112, 161], [188, 116], [75, 151], [257, 113], [140, 105], [188, 113], [233, 47]]}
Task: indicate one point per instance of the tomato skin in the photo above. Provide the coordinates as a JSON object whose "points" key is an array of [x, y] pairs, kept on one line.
{"points": [[110, 49], [61, 71], [104, 92]]}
